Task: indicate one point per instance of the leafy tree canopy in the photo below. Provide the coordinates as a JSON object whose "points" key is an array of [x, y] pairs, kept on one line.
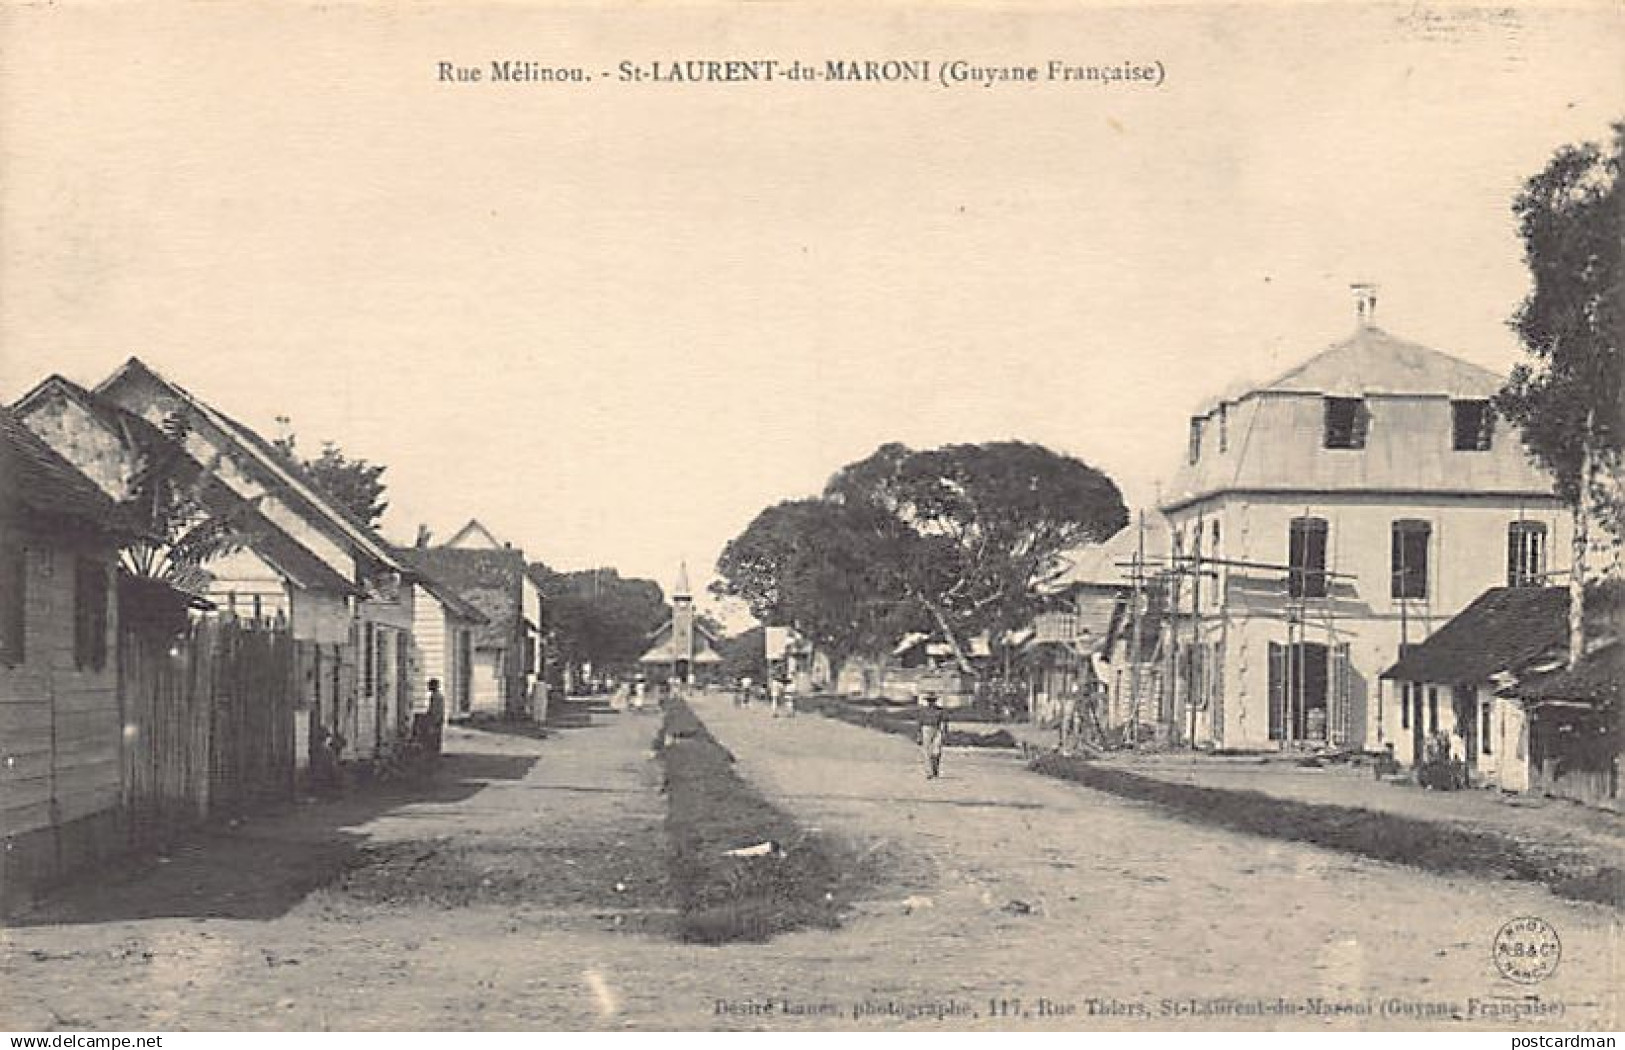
{"points": [[183, 531], [961, 537], [1567, 398], [356, 485], [600, 617]]}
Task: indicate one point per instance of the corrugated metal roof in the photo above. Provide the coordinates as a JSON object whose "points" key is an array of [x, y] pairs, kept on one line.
{"points": [[1100, 564]]}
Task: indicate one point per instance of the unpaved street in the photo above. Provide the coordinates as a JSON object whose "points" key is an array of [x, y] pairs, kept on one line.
{"points": [[524, 889]]}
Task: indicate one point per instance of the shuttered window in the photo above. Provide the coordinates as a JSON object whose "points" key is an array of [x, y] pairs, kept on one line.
{"points": [[1526, 554], [89, 614], [1410, 559], [1306, 558], [1346, 422], [13, 604], [1472, 425]]}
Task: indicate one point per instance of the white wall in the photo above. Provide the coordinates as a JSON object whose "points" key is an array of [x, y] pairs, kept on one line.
{"points": [[1467, 555]]}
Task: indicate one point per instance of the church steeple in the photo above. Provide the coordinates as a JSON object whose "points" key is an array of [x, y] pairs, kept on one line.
{"points": [[680, 591]]}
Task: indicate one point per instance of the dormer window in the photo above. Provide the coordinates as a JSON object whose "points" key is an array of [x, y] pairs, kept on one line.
{"points": [[1345, 422], [1472, 425], [1224, 428], [1196, 439]]}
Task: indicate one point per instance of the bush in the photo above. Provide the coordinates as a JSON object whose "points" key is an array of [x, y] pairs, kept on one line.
{"points": [[711, 810]]}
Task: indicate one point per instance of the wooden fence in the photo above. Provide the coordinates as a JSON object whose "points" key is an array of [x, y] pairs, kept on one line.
{"points": [[209, 722]]}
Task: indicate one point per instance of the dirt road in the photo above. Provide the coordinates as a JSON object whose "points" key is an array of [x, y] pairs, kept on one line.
{"points": [[1117, 902], [524, 889]]}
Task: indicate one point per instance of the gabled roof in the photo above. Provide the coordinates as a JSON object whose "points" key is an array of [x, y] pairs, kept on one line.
{"points": [[287, 476], [443, 592], [281, 551], [1505, 629], [37, 482], [135, 431], [488, 580], [663, 651], [1373, 362], [475, 536]]}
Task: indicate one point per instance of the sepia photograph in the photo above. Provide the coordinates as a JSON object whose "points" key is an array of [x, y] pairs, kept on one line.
{"points": [[1051, 515]]}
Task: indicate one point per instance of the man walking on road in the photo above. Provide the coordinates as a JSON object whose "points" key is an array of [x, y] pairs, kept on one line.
{"points": [[933, 731]]}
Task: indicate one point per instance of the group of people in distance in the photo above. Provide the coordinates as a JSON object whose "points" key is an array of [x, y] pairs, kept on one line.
{"points": [[780, 691]]}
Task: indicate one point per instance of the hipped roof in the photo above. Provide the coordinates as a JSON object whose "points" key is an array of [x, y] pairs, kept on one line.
{"points": [[1505, 629]]}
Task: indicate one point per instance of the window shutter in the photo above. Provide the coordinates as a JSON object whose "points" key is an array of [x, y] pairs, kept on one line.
{"points": [[1341, 694], [13, 605], [1277, 690], [89, 614]]}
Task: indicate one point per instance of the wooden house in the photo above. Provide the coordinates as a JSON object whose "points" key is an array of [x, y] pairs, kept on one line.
{"points": [[444, 625], [358, 677], [1575, 726], [493, 577], [271, 578], [60, 721], [1326, 519], [1084, 645], [1494, 683]]}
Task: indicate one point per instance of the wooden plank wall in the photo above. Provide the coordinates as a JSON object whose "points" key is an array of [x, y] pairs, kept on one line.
{"points": [[210, 723]]}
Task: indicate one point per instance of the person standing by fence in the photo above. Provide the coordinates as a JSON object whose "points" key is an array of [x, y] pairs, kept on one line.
{"points": [[933, 734], [435, 722]]}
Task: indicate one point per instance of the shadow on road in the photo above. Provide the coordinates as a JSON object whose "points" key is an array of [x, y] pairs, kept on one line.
{"points": [[259, 867]]}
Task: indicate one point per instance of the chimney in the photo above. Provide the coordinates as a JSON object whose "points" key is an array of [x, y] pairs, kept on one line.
{"points": [[1365, 303], [423, 537]]}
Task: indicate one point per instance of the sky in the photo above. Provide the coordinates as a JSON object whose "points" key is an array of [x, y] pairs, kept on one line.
{"points": [[614, 321]]}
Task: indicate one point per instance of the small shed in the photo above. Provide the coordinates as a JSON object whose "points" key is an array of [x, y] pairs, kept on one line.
{"points": [[1574, 727]]}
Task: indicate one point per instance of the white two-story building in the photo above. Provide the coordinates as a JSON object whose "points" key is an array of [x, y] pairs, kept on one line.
{"points": [[1326, 519]]}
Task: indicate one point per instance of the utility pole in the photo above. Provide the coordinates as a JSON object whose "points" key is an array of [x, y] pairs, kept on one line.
{"points": [[1136, 574]]}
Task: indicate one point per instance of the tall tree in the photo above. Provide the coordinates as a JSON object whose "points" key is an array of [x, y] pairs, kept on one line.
{"points": [[962, 536], [600, 617], [1568, 398], [987, 524], [824, 568], [356, 485]]}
